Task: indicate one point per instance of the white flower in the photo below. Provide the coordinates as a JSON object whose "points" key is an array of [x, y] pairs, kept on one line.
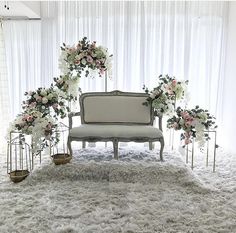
{"points": [[44, 100], [80, 56], [62, 63], [83, 61], [43, 92]]}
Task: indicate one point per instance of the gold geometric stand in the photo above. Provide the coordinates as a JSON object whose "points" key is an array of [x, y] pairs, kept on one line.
{"points": [[207, 151]]}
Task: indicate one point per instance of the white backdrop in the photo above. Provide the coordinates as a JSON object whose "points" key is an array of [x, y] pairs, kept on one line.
{"points": [[184, 39], [4, 92]]}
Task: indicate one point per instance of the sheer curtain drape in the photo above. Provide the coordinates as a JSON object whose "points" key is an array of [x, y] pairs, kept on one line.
{"points": [[146, 38], [23, 50], [4, 92]]}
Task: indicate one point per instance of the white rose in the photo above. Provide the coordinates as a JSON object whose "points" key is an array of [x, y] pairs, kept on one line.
{"points": [[83, 61], [43, 92], [44, 100]]}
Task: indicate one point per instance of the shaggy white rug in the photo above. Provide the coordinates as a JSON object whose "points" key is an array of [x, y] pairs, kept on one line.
{"points": [[138, 193]]}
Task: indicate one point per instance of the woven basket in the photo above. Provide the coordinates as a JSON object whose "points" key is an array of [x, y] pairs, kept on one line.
{"points": [[61, 158], [18, 175]]}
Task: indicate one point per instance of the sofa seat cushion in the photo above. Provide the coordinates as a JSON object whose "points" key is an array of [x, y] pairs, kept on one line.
{"points": [[115, 131]]}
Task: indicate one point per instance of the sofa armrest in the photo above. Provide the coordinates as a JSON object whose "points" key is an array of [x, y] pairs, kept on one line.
{"points": [[159, 120], [70, 115]]}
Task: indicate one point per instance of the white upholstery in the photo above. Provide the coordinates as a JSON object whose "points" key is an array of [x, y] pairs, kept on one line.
{"points": [[115, 116], [115, 131], [116, 109]]}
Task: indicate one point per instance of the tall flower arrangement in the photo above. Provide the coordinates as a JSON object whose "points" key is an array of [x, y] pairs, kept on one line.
{"points": [[43, 107], [163, 97], [194, 122]]}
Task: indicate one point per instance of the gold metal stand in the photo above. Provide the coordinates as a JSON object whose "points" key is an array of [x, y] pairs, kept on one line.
{"points": [[207, 152]]}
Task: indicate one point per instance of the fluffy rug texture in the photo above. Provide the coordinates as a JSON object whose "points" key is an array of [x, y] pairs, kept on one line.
{"points": [[138, 193]]}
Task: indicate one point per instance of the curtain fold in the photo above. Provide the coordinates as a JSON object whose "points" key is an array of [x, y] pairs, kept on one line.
{"points": [[23, 56], [4, 93]]}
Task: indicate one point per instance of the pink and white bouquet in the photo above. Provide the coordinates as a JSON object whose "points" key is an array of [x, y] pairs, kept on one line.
{"points": [[37, 124], [163, 97], [83, 57], [194, 122], [47, 101]]}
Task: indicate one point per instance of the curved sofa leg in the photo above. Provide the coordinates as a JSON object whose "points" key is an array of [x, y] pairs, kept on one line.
{"points": [[69, 146], [115, 147], [151, 146], [162, 148], [83, 144]]}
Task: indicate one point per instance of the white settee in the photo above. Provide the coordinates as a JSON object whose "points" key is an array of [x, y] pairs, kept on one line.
{"points": [[115, 116]]}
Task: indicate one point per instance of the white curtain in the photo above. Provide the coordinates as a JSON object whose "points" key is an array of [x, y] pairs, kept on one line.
{"points": [[4, 93], [146, 38], [23, 52]]}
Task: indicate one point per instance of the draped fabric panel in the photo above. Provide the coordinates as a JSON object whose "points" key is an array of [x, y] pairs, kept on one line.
{"points": [[23, 53], [4, 92]]}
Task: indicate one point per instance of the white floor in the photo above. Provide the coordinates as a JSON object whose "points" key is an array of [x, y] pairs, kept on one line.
{"points": [[138, 193]]}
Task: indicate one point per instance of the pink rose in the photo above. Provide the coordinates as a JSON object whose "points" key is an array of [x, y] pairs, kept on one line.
{"points": [[29, 118], [187, 123], [93, 44], [39, 99], [89, 59], [102, 71]]}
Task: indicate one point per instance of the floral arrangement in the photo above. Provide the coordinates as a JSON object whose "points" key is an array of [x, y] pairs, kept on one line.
{"points": [[46, 101], [84, 59], [163, 97], [194, 122], [35, 123]]}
